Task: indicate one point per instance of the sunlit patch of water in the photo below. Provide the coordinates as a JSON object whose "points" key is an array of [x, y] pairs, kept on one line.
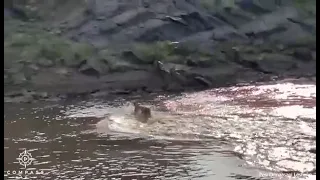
{"points": [[272, 126]]}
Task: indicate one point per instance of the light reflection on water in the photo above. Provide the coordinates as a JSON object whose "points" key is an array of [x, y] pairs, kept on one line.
{"points": [[222, 133]]}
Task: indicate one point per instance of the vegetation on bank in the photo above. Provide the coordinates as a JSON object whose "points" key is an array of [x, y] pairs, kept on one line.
{"points": [[28, 43]]}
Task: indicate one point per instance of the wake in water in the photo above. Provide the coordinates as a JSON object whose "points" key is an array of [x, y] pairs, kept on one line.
{"points": [[271, 126]]}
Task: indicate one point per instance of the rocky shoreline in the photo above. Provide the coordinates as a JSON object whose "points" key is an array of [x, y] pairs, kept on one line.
{"points": [[185, 49]]}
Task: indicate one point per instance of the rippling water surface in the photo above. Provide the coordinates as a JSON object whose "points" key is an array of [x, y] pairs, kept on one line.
{"points": [[249, 132]]}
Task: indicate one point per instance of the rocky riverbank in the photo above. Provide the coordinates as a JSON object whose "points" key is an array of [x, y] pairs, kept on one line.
{"points": [[102, 47]]}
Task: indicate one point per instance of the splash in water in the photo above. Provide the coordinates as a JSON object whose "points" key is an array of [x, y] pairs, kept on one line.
{"points": [[271, 126]]}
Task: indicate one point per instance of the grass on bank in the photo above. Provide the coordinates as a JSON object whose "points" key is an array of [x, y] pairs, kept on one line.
{"points": [[29, 44]]}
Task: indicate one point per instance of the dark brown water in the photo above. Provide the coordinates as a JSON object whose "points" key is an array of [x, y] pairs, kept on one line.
{"points": [[254, 132]]}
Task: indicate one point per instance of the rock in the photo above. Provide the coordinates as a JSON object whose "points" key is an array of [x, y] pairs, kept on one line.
{"points": [[89, 71], [13, 94], [94, 67], [191, 63], [121, 92], [306, 26], [21, 96], [131, 56], [234, 17], [227, 32], [269, 23], [40, 95], [203, 81], [113, 22], [100, 94], [172, 74], [62, 71], [175, 67], [174, 71], [178, 76], [20, 99], [45, 62], [276, 63], [30, 70], [268, 62], [294, 36], [253, 6], [123, 66], [313, 150], [314, 56], [280, 47], [7, 79], [249, 49], [19, 78], [253, 27], [195, 38], [160, 67], [107, 27], [303, 54], [201, 61], [34, 67], [132, 15], [173, 87], [267, 48], [177, 20]]}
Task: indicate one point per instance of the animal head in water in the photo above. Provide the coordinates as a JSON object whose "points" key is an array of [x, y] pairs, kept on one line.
{"points": [[141, 112]]}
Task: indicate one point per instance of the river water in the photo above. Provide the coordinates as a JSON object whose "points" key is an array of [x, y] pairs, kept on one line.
{"points": [[242, 132]]}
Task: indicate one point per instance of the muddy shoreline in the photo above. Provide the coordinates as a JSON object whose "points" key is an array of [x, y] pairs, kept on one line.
{"points": [[126, 87]]}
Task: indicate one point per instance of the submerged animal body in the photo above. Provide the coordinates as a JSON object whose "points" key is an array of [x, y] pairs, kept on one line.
{"points": [[141, 113]]}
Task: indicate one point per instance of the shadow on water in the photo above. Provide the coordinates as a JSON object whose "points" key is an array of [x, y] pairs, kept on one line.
{"points": [[228, 133]]}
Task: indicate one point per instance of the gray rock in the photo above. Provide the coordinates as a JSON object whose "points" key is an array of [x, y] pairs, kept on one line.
{"points": [[309, 25], [20, 99], [132, 16], [94, 67], [34, 67], [62, 71], [19, 78], [203, 81], [269, 22], [7, 79], [40, 95], [107, 26], [131, 57], [235, 17], [198, 37], [303, 54], [89, 70], [226, 33], [313, 150], [314, 56], [13, 94], [293, 36], [275, 63], [178, 76]]}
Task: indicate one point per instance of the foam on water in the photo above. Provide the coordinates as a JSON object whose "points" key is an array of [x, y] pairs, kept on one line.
{"points": [[264, 123]]}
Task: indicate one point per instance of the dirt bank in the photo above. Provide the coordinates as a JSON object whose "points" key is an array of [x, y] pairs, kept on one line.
{"points": [[102, 47]]}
